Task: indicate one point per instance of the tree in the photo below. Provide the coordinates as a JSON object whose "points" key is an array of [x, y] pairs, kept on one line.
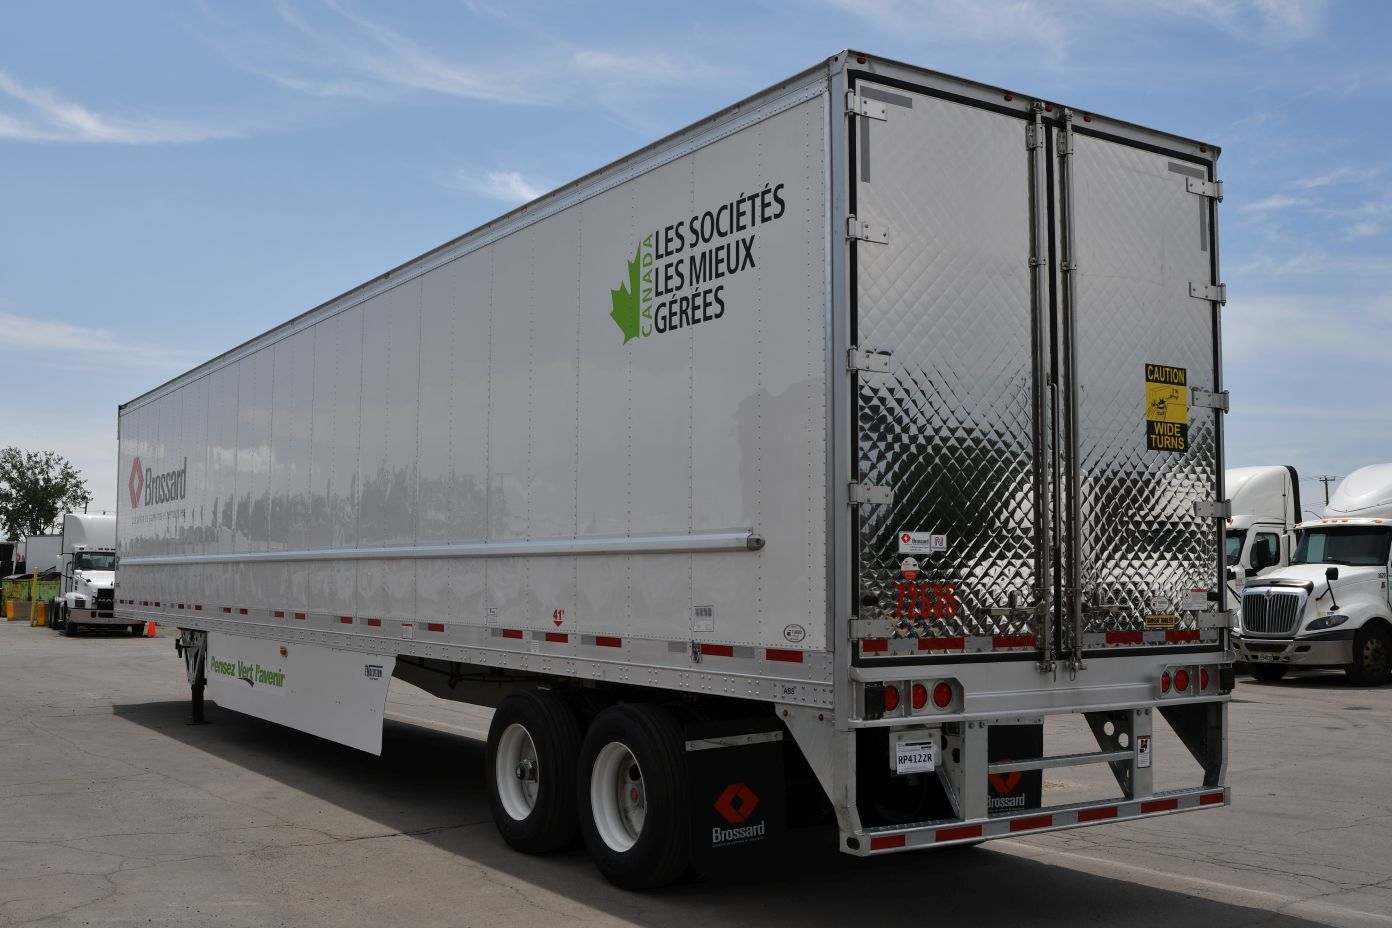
{"points": [[36, 487]]}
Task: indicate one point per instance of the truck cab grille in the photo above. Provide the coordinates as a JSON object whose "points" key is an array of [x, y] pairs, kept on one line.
{"points": [[105, 598], [1267, 612]]}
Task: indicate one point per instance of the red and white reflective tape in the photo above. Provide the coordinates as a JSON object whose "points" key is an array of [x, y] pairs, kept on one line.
{"points": [[999, 826]]}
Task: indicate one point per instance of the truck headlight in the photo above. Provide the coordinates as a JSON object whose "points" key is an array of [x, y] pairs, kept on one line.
{"points": [[79, 602], [1326, 621]]}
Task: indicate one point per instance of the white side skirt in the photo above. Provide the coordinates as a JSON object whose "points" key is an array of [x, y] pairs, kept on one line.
{"points": [[338, 695]]}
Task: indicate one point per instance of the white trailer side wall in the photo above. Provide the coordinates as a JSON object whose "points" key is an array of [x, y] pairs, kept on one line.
{"points": [[493, 399]]}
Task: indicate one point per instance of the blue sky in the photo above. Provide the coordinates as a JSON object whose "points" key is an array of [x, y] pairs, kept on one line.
{"points": [[178, 177]]}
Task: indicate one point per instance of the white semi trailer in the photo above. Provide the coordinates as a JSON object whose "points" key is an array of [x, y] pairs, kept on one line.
{"points": [[808, 458]]}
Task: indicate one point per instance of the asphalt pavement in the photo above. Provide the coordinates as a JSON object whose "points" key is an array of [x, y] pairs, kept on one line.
{"points": [[114, 811]]}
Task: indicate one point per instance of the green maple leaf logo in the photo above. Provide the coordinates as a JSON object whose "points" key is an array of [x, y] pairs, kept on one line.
{"points": [[625, 314]]}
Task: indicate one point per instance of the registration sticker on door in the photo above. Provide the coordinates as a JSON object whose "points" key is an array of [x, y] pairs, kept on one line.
{"points": [[914, 753]]}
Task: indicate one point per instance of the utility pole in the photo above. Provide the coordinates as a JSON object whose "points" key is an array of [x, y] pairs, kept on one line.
{"points": [[1327, 479]]}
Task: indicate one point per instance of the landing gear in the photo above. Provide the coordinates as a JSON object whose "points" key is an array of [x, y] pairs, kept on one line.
{"points": [[192, 646]]}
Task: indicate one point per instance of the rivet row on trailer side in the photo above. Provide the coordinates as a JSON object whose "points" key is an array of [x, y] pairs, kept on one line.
{"points": [[809, 463]]}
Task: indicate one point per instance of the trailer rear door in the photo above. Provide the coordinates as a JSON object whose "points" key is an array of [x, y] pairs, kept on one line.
{"points": [[1016, 292]]}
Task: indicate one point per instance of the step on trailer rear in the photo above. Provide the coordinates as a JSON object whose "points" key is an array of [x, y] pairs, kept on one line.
{"points": [[811, 458]]}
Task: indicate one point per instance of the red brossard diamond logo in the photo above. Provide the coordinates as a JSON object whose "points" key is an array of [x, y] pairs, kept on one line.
{"points": [[136, 483], [737, 803]]}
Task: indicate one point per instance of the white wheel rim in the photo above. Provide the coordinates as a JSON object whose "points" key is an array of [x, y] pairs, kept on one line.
{"points": [[618, 796], [515, 771]]}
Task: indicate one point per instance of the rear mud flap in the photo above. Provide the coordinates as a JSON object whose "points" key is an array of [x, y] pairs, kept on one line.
{"points": [[1017, 789], [738, 805]]}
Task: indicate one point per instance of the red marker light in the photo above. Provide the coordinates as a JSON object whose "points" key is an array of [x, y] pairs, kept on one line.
{"points": [[942, 695], [1165, 682], [1203, 678], [891, 694], [920, 696], [1181, 680]]}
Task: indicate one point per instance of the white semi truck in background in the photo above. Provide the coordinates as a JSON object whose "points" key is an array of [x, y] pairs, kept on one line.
{"points": [[1260, 535], [1330, 607], [811, 458], [87, 563]]}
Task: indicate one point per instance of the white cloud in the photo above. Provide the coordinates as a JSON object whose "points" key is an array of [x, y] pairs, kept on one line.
{"points": [[350, 55], [1048, 26], [1268, 22], [330, 50], [1307, 365], [1337, 176], [506, 186], [41, 115], [53, 343], [1365, 229], [1275, 201], [643, 69], [1054, 27], [1282, 331]]}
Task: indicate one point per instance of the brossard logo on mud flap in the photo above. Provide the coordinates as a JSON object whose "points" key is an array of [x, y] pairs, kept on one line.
{"points": [[736, 804], [678, 273]]}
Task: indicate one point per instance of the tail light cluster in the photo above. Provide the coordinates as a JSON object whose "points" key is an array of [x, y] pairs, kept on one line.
{"points": [[1176, 682], [911, 698]]}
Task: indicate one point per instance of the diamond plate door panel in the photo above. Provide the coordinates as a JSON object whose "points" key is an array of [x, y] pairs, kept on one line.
{"points": [[949, 428], [1143, 343]]}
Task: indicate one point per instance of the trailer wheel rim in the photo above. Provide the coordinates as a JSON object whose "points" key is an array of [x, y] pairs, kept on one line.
{"points": [[516, 772], [618, 797]]}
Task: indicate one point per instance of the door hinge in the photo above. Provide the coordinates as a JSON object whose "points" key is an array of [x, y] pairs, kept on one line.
{"points": [[1222, 619], [870, 628], [1218, 293], [1032, 134], [1213, 508], [863, 494], [1205, 188], [865, 231], [1210, 399], [1065, 140], [856, 105], [872, 362]]}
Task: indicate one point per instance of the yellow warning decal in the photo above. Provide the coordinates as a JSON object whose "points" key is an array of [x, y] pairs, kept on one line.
{"points": [[1160, 621], [1167, 408]]}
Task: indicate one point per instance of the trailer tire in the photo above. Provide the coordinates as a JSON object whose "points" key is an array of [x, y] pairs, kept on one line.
{"points": [[634, 797], [70, 628], [1268, 673], [1372, 656], [533, 744]]}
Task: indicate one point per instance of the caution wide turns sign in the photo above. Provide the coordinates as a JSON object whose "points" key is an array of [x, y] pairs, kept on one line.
{"points": [[1167, 408]]}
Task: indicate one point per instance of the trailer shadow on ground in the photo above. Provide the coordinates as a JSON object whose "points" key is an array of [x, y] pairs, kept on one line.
{"points": [[428, 784]]}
